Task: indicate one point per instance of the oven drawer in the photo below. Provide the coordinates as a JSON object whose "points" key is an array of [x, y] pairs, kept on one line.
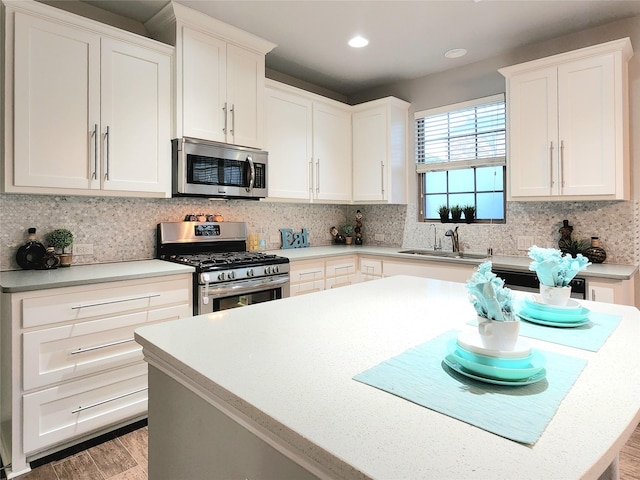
{"points": [[71, 351], [77, 303], [61, 413]]}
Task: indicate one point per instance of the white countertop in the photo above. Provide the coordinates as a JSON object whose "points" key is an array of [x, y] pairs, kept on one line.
{"points": [[288, 365], [601, 270], [26, 280]]}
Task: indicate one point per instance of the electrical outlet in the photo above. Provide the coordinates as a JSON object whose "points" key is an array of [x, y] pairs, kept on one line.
{"points": [[524, 242], [379, 237], [83, 248]]}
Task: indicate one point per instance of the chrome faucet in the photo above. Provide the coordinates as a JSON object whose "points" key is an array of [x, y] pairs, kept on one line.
{"points": [[436, 246], [455, 243]]}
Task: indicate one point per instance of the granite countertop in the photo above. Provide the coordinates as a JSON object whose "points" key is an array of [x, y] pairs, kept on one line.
{"points": [[292, 370], [602, 270], [27, 280]]}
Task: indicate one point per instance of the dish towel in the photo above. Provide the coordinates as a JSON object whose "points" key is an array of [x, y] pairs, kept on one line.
{"points": [[420, 376], [586, 337]]}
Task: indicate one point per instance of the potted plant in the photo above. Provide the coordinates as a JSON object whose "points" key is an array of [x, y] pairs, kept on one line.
{"points": [[61, 239], [443, 211], [469, 213], [456, 213], [348, 234]]}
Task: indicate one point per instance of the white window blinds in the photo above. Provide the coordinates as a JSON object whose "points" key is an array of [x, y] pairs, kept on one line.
{"points": [[463, 135]]}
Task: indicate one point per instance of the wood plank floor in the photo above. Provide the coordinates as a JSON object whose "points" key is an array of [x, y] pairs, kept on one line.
{"points": [[125, 458]]}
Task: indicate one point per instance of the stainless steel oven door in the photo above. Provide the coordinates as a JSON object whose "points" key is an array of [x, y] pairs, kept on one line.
{"points": [[215, 298]]}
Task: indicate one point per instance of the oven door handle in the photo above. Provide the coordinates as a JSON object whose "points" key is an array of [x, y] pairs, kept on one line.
{"points": [[216, 291]]}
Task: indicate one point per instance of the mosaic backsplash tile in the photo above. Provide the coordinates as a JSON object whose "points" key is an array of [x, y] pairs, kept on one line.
{"points": [[123, 229]]}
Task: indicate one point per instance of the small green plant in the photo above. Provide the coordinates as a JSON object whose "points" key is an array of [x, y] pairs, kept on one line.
{"points": [[347, 230], [456, 213], [573, 247], [443, 211], [469, 213], [60, 239]]}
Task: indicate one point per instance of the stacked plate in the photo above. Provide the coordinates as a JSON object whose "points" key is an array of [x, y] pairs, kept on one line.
{"points": [[520, 366], [532, 309]]}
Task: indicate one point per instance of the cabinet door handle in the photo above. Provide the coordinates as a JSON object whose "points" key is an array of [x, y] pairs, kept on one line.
{"points": [[224, 111], [593, 295], [551, 163], [102, 402], [94, 134], [562, 163], [382, 178], [114, 301], [318, 177], [106, 173], [311, 175], [310, 273], [98, 347], [233, 119]]}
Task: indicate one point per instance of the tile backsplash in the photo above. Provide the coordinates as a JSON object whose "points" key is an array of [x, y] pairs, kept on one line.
{"points": [[123, 229]]}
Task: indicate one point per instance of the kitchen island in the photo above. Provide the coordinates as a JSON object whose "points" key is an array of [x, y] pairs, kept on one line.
{"points": [[267, 391]]}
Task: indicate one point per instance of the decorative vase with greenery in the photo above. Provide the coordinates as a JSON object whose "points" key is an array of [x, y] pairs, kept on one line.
{"points": [[469, 213], [443, 211], [347, 230], [61, 239], [456, 213]]}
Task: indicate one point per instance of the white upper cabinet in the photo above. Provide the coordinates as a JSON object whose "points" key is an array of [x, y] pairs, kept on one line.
{"points": [[380, 172], [309, 145], [567, 125], [331, 152], [290, 144], [87, 107], [219, 76]]}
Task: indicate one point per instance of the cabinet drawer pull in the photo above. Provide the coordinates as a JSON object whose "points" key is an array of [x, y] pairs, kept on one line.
{"points": [[81, 408], [98, 347], [309, 273], [115, 301], [551, 163]]}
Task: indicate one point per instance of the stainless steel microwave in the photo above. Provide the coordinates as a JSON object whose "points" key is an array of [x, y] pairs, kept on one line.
{"points": [[217, 170]]}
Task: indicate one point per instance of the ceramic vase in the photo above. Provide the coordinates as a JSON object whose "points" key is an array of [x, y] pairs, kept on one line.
{"points": [[498, 335], [555, 295]]}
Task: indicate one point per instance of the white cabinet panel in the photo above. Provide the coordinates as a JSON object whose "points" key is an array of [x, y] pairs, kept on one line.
{"points": [[70, 410], [568, 124]]}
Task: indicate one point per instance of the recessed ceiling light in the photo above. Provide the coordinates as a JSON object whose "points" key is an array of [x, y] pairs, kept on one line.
{"points": [[455, 53], [358, 42]]}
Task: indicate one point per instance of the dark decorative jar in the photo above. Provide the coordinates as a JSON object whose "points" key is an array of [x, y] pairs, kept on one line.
{"points": [[595, 253]]}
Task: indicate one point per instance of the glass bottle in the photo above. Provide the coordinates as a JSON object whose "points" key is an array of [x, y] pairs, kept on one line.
{"points": [[50, 260], [30, 254]]}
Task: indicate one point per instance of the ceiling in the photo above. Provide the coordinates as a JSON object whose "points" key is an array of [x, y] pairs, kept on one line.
{"points": [[407, 38]]}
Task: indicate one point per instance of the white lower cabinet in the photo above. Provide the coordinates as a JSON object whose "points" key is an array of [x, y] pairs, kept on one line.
{"points": [[611, 291], [370, 268], [70, 367], [306, 276], [61, 412], [340, 271]]}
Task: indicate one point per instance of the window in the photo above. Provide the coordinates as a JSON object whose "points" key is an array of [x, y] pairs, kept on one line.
{"points": [[460, 158]]}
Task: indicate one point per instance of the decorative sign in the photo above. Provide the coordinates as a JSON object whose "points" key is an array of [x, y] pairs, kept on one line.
{"points": [[294, 240]]}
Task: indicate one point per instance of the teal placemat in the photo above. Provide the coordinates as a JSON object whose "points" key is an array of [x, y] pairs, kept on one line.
{"points": [[518, 413], [587, 337]]}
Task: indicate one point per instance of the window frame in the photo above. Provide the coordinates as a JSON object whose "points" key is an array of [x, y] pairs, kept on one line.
{"points": [[424, 167]]}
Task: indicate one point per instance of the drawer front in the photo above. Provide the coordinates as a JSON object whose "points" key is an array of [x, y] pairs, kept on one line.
{"points": [[306, 272], [370, 268], [77, 303], [61, 413], [306, 287], [71, 351], [340, 267], [340, 281]]}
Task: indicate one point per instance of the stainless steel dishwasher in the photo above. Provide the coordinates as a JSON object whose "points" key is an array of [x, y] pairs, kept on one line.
{"points": [[528, 282]]}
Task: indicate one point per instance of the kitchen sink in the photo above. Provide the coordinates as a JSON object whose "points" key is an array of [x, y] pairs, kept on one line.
{"points": [[439, 253]]}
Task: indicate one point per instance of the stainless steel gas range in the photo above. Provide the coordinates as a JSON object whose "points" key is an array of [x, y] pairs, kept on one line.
{"points": [[227, 275]]}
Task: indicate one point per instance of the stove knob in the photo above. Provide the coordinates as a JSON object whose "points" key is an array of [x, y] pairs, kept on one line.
{"points": [[204, 277], [231, 275], [276, 269], [250, 272], [221, 276], [267, 270]]}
